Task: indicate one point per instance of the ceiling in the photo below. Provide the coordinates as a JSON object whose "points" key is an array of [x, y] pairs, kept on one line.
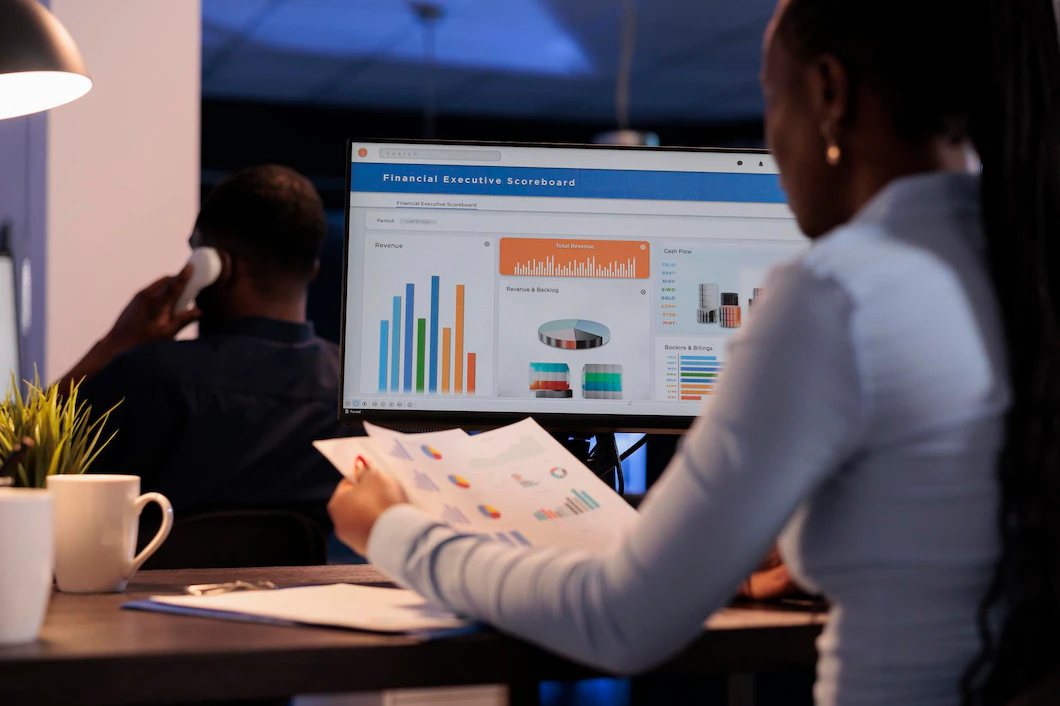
{"points": [[695, 60]]}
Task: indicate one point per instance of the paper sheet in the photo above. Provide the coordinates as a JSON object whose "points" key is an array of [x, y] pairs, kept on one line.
{"points": [[341, 605], [516, 484]]}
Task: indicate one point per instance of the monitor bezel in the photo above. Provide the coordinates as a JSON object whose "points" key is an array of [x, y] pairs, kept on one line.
{"points": [[7, 252], [427, 420]]}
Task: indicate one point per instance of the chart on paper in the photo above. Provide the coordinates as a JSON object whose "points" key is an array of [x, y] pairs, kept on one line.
{"points": [[516, 485]]}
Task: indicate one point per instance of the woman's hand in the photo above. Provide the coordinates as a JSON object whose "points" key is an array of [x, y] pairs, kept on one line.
{"points": [[769, 585], [770, 581], [355, 506]]}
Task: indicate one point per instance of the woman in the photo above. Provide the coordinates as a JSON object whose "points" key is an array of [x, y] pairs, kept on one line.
{"points": [[900, 385]]}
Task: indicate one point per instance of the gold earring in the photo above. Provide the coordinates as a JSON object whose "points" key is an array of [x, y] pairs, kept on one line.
{"points": [[833, 153]]}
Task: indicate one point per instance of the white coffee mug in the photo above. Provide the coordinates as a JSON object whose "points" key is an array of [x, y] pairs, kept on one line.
{"points": [[96, 521], [27, 549]]}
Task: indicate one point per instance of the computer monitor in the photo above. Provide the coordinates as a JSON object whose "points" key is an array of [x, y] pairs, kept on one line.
{"points": [[9, 320], [593, 288]]}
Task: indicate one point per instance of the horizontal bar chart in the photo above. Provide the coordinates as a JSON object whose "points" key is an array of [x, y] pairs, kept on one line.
{"points": [[698, 376]]}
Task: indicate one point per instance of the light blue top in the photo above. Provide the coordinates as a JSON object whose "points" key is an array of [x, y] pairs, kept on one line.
{"points": [[860, 418]]}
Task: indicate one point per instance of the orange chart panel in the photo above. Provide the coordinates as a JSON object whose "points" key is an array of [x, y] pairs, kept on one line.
{"points": [[552, 257]]}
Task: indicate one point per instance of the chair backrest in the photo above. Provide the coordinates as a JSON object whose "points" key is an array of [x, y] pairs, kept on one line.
{"points": [[235, 539], [1045, 693]]}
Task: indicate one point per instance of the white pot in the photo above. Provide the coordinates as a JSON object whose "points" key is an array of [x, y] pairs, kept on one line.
{"points": [[27, 548]]}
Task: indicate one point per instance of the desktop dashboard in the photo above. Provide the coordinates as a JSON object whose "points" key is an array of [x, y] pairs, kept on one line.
{"points": [[497, 281]]}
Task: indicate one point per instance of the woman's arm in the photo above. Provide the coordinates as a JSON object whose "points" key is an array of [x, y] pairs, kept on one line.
{"points": [[789, 412]]}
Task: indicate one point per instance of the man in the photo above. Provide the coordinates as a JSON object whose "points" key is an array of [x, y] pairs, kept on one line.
{"points": [[227, 420]]}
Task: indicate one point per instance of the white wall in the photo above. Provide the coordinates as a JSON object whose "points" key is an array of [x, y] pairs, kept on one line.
{"points": [[122, 165]]}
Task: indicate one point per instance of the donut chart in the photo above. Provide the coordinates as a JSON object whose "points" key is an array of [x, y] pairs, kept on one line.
{"points": [[574, 334]]}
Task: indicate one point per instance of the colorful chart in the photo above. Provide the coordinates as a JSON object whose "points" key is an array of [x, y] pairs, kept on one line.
{"points": [[454, 516], [423, 482], [550, 380], [513, 539], [602, 382], [459, 482], [578, 504], [573, 334], [558, 472], [605, 259], [413, 366], [490, 512], [431, 452], [398, 451], [524, 482], [698, 376]]}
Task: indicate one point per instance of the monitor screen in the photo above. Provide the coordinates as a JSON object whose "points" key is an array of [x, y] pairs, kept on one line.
{"points": [[9, 334], [593, 288]]}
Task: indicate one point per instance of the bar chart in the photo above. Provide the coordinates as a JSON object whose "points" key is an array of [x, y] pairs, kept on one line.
{"points": [[454, 516], [398, 451], [409, 347], [698, 376], [513, 539], [548, 257], [424, 482], [578, 503]]}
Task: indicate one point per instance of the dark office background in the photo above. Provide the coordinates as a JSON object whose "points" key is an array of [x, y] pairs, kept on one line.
{"points": [[290, 81]]}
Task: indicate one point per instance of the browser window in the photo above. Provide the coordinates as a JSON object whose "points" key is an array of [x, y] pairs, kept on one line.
{"points": [[553, 281]]}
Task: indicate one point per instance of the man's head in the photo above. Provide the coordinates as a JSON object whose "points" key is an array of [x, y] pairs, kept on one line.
{"points": [[268, 224]]}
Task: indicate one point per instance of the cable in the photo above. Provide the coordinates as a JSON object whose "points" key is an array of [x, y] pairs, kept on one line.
{"points": [[614, 461], [637, 446], [625, 63]]}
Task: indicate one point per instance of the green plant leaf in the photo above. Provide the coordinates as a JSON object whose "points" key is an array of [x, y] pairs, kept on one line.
{"points": [[67, 440]]}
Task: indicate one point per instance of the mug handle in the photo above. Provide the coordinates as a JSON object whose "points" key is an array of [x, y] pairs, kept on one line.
{"points": [[160, 536]]}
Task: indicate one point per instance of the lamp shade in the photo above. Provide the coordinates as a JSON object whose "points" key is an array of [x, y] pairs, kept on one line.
{"points": [[40, 66]]}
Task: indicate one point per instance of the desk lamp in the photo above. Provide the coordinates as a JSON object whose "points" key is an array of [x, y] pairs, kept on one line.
{"points": [[40, 66]]}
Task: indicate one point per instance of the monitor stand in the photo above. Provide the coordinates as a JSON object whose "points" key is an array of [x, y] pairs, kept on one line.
{"points": [[603, 459]]}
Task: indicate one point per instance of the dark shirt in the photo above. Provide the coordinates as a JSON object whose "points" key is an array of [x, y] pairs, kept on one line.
{"points": [[226, 420]]}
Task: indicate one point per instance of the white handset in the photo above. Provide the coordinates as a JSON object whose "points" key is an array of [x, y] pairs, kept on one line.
{"points": [[207, 264]]}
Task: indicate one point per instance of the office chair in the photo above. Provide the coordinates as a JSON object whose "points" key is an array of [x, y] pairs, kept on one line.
{"points": [[1045, 693], [236, 539]]}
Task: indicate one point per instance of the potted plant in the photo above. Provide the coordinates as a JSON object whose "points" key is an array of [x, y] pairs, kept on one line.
{"points": [[45, 433]]}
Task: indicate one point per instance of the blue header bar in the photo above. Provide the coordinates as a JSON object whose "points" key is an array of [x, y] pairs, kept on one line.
{"points": [[565, 183]]}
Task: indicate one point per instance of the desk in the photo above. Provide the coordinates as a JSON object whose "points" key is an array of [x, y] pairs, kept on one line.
{"points": [[91, 653]]}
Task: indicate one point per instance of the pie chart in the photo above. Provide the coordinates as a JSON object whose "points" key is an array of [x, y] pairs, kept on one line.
{"points": [[490, 512], [573, 334]]}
